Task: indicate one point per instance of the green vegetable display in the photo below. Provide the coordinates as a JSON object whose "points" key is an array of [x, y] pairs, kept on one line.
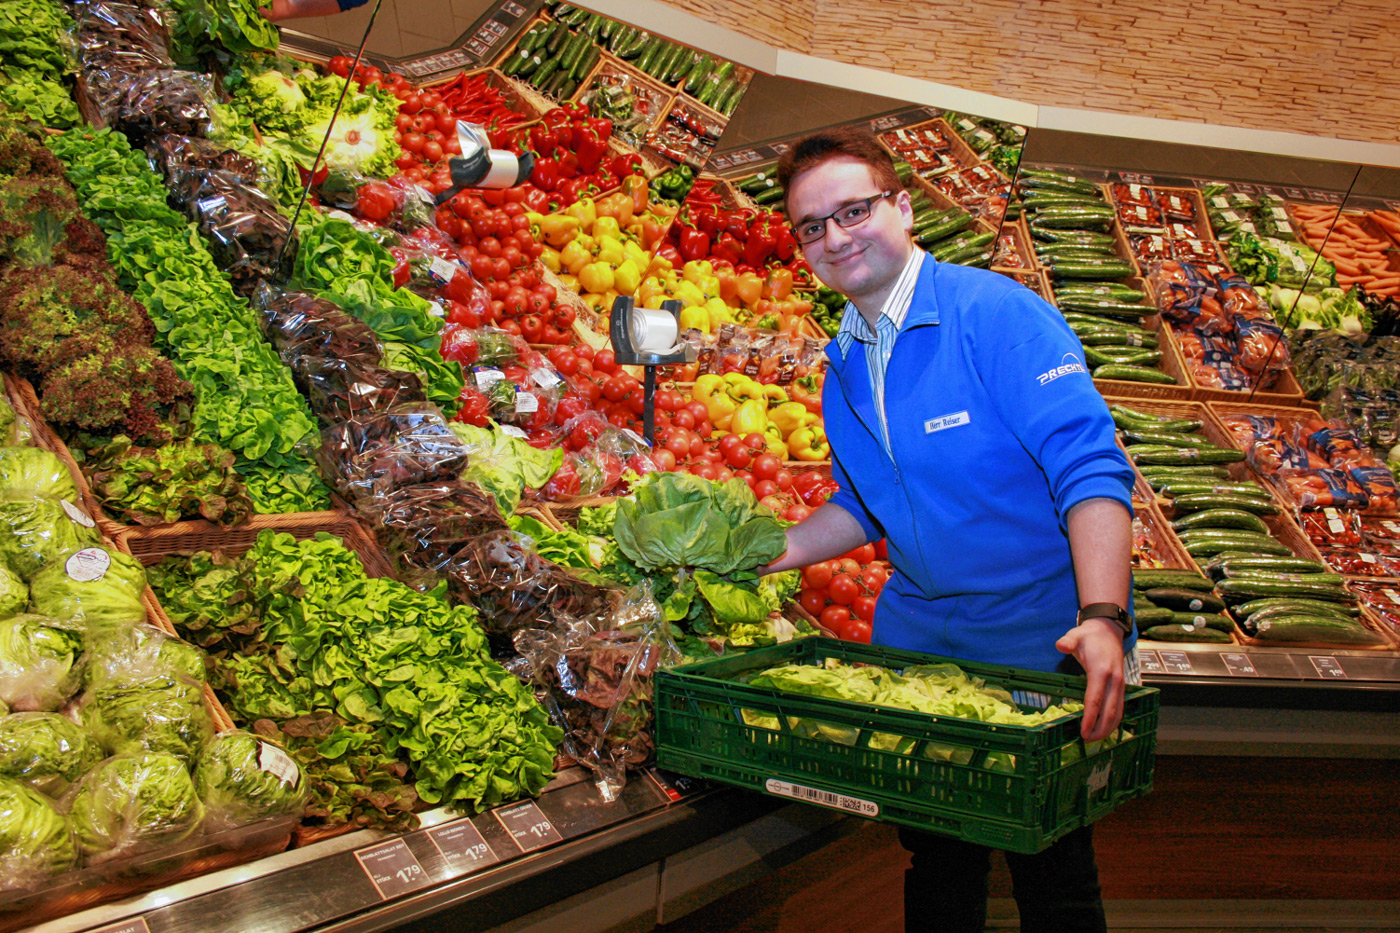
{"points": [[245, 398], [204, 28], [34, 840], [505, 465], [48, 102], [34, 533], [159, 485], [33, 64], [38, 661], [67, 588], [243, 778], [132, 803], [210, 599], [14, 594], [681, 520], [31, 471], [46, 751], [148, 715], [1268, 261]]}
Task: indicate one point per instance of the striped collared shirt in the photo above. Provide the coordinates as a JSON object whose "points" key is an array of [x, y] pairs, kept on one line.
{"points": [[879, 344]]}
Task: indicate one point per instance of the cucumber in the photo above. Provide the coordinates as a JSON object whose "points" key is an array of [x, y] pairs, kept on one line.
{"points": [[644, 58], [1129, 419], [1271, 576], [517, 60], [1161, 455], [1182, 600], [1078, 187], [1092, 269], [973, 241], [533, 38], [1126, 372], [682, 66], [620, 38], [1236, 566], [1210, 620], [1073, 236], [1221, 518], [1187, 487], [1113, 290], [558, 39], [635, 46], [713, 82], [727, 97], [1292, 630], [585, 63], [1139, 435], [945, 228], [1243, 610], [1241, 590], [544, 71], [1196, 501], [1151, 615], [1293, 607], [699, 74], [1117, 338], [1103, 306], [1210, 547], [1186, 633], [1178, 579], [1161, 475], [572, 50], [1133, 356]]}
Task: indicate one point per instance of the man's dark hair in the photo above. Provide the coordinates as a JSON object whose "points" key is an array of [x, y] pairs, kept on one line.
{"points": [[841, 142]]}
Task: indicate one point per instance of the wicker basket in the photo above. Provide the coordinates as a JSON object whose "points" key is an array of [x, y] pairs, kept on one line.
{"points": [[1172, 364]]}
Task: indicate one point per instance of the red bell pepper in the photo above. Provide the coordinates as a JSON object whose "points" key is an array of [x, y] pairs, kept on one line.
{"points": [[802, 274], [694, 244], [727, 248], [762, 241], [605, 179], [536, 200], [543, 139], [708, 217], [591, 148], [568, 163], [786, 246], [556, 118], [626, 163], [572, 189], [575, 110], [545, 175], [738, 222], [602, 126], [672, 255]]}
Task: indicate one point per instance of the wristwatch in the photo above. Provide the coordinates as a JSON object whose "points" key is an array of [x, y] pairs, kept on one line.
{"points": [[1111, 611]]}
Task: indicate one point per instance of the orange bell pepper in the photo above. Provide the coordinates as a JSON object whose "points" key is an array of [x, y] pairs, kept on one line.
{"points": [[748, 288], [636, 188], [778, 284]]}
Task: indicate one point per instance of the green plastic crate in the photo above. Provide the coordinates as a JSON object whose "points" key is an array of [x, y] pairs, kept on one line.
{"points": [[700, 731]]}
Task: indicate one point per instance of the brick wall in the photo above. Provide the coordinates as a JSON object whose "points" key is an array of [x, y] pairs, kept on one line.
{"points": [[1321, 67]]}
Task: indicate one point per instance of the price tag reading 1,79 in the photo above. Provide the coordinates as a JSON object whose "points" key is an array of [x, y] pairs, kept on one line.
{"points": [[529, 827], [393, 869], [462, 847]]}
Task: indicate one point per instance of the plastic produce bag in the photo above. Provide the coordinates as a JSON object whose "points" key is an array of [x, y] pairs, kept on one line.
{"points": [[423, 527], [122, 35], [140, 653], [243, 778], [343, 390], [407, 445], [14, 594], [36, 532], [305, 328], [14, 427], [32, 471], [34, 840], [247, 234], [46, 751], [100, 587], [130, 804], [39, 662]]}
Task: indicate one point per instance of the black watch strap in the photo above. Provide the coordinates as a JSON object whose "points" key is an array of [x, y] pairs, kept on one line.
{"points": [[1111, 611]]}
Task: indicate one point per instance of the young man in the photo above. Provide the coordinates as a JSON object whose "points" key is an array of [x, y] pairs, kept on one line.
{"points": [[966, 431]]}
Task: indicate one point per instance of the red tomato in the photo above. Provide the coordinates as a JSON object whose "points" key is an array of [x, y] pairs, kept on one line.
{"points": [[784, 480], [874, 577], [698, 448], [843, 589], [755, 442], [859, 630], [605, 361], [683, 419], [340, 65], [730, 443], [413, 142], [861, 555], [864, 608], [847, 566], [814, 601], [764, 487], [738, 457], [705, 470], [699, 410], [796, 513], [835, 618], [665, 459], [817, 576], [766, 467]]}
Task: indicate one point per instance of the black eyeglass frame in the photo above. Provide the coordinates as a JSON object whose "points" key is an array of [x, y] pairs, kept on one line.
{"points": [[867, 203]]}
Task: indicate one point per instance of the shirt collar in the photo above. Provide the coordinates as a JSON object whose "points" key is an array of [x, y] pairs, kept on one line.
{"points": [[853, 324]]}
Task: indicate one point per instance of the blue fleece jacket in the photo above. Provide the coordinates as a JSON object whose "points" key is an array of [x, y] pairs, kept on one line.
{"points": [[996, 431]]}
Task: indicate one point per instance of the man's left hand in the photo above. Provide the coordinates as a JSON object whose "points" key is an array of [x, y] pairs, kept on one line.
{"points": [[1097, 645]]}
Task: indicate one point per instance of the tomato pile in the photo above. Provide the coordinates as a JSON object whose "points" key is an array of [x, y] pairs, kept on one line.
{"points": [[841, 593]]}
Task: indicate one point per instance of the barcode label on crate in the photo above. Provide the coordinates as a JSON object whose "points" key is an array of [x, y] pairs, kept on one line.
{"points": [[1028, 698], [822, 797]]}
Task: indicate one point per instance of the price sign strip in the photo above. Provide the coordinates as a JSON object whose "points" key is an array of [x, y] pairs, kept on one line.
{"points": [[462, 846], [136, 925], [392, 868], [528, 826]]}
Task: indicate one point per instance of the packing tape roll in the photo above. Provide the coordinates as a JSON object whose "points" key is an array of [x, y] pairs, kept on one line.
{"points": [[653, 331]]}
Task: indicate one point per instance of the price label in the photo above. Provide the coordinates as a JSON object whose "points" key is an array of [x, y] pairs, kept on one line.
{"points": [[462, 847], [442, 270], [1328, 668], [77, 514], [1149, 662], [88, 565], [528, 826], [137, 925], [545, 378], [822, 797], [1238, 665], [675, 787], [486, 378], [392, 868], [1176, 662]]}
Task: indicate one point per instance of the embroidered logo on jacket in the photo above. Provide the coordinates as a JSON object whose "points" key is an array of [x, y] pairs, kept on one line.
{"points": [[1069, 364], [955, 420]]}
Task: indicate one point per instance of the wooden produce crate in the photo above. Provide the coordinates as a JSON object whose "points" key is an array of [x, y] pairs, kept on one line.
{"points": [[1165, 544], [662, 96], [1285, 392], [1021, 240]]}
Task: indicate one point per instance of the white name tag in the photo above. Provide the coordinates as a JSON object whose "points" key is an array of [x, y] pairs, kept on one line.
{"points": [[956, 420]]}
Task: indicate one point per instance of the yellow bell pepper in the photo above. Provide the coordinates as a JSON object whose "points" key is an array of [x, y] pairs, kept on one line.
{"points": [[586, 212], [549, 257], [698, 269], [705, 386], [569, 280], [627, 277], [718, 310], [659, 265], [695, 316], [607, 226], [710, 389], [789, 416], [744, 389], [596, 277], [809, 443], [689, 294], [774, 439], [776, 395], [750, 417], [574, 257], [632, 251], [609, 250], [559, 229], [652, 292], [748, 288]]}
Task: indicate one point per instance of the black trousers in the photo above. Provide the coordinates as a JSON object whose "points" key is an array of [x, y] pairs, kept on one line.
{"points": [[1056, 891]]}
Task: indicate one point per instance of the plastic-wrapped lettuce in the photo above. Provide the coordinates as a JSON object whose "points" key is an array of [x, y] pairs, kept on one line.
{"points": [[14, 427], [14, 594], [34, 839], [38, 662], [154, 714], [33, 471], [141, 652], [36, 532], [46, 751], [132, 803], [243, 778], [98, 586]]}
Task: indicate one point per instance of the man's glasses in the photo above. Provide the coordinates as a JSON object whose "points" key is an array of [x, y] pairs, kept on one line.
{"points": [[849, 215]]}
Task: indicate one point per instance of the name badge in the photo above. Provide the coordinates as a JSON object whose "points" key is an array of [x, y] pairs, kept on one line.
{"points": [[956, 420]]}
